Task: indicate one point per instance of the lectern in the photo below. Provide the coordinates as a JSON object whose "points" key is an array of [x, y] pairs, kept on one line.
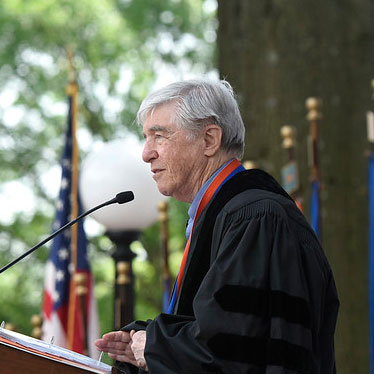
{"points": [[22, 357]]}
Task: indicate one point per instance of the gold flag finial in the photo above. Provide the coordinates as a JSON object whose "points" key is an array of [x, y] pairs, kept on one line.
{"points": [[248, 164], [72, 87], [313, 104], [288, 134], [36, 321], [70, 55]]}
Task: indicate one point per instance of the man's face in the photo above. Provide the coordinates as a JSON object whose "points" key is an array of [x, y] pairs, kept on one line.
{"points": [[177, 162]]}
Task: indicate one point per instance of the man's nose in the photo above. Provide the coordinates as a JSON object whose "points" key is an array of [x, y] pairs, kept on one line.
{"points": [[149, 153]]}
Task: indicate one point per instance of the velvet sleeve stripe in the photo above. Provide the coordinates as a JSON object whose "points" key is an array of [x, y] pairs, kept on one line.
{"points": [[264, 303], [261, 352]]}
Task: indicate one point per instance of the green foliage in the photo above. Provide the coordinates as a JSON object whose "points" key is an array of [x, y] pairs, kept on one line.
{"points": [[120, 47]]}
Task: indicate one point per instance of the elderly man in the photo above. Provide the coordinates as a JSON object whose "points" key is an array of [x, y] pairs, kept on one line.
{"points": [[254, 292]]}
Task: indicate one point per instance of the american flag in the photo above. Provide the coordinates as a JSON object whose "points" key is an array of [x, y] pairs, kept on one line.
{"points": [[68, 317]]}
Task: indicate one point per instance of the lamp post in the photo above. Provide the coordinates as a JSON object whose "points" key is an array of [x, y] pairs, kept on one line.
{"points": [[124, 279], [117, 166]]}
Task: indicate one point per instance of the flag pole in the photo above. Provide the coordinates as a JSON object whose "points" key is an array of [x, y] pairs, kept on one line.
{"points": [[290, 175], [72, 92], [314, 116], [166, 277], [78, 282]]}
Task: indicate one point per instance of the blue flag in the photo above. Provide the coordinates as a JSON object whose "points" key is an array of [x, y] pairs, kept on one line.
{"points": [[166, 295], [371, 259], [315, 208]]}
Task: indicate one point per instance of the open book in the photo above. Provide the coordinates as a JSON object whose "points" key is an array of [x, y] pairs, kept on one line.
{"points": [[42, 348]]}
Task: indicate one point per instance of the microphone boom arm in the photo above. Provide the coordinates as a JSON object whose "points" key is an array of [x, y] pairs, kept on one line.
{"points": [[120, 198]]}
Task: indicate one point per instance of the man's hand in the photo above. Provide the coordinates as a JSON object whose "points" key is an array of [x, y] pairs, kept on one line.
{"points": [[138, 346], [118, 346]]}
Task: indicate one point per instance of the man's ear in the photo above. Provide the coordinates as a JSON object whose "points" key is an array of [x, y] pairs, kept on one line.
{"points": [[212, 139]]}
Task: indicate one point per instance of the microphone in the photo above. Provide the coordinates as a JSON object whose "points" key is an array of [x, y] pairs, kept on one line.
{"points": [[121, 198]]}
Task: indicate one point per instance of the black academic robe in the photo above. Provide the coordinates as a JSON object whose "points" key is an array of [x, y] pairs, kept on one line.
{"points": [[257, 296]]}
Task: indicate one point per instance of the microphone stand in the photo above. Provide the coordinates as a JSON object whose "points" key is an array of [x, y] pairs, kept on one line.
{"points": [[120, 198]]}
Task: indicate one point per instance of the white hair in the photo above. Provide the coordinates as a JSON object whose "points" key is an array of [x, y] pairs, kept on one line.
{"points": [[198, 103]]}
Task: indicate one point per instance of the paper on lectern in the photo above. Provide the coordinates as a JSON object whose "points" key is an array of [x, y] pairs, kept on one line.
{"points": [[44, 347]]}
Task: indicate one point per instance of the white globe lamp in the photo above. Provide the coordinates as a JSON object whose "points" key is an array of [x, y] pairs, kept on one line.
{"points": [[118, 166]]}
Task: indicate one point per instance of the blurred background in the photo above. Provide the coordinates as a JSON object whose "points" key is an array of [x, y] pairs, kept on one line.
{"points": [[276, 54]]}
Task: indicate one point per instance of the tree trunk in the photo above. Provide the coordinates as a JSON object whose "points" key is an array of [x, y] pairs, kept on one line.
{"points": [[278, 53]]}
